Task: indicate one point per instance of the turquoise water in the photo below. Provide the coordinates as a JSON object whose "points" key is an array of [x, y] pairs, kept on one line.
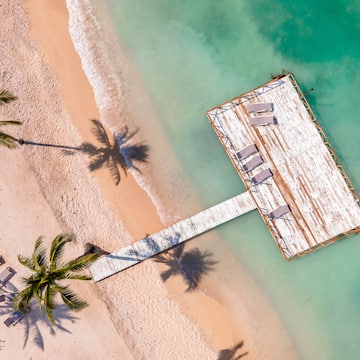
{"points": [[195, 55]]}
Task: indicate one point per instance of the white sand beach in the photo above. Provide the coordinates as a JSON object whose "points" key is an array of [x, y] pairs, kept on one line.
{"points": [[43, 191]]}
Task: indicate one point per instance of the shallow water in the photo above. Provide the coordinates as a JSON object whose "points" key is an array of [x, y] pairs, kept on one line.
{"points": [[195, 55]]}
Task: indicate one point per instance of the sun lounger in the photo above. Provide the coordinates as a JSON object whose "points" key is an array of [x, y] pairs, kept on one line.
{"points": [[279, 212], [6, 297], [14, 318], [262, 120], [6, 275], [259, 107], [247, 151], [261, 176], [2, 261], [253, 163]]}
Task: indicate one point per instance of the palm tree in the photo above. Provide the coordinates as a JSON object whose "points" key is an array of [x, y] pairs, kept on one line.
{"points": [[6, 139], [43, 284]]}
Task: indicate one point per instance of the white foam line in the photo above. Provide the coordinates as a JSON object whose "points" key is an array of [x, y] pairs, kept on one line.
{"points": [[102, 62]]}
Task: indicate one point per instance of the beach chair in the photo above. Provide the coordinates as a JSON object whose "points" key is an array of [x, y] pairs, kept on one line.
{"points": [[15, 317], [262, 120], [6, 297], [247, 151], [259, 107], [279, 212], [6, 275], [253, 163], [261, 176]]}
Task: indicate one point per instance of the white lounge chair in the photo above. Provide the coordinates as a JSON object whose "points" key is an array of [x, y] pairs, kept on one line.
{"points": [[15, 317], [6, 275], [259, 107], [247, 151], [262, 120], [6, 297], [279, 212], [253, 163], [261, 176]]}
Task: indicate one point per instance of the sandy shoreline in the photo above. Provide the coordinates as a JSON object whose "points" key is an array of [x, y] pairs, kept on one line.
{"points": [[131, 315]]}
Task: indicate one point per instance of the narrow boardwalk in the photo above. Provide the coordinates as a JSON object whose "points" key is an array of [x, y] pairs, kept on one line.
{"points": [[171, 236]]}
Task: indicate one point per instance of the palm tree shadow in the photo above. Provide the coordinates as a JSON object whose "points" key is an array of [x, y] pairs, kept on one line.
{"points": [[191, 265], [6, 306], [36, 317], [116, 153], [230, 354]]}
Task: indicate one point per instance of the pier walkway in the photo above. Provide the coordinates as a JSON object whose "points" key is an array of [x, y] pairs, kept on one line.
{"points": [[289, 168], [171, 236]]}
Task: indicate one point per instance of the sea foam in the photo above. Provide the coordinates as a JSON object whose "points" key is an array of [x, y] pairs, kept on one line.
{"points": [[103, 62]]}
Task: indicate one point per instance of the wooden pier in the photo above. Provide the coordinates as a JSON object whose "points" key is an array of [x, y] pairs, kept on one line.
{"points": [[289, 168], [301, 190], [171, 236]]}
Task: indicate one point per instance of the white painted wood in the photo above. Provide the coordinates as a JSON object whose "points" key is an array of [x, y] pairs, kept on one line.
{"points": [[171, 236], [305, 175]]}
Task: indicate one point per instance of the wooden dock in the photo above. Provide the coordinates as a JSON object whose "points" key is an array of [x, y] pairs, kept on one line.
{"points": [[292, 174], [296, 168], [171, 236]]}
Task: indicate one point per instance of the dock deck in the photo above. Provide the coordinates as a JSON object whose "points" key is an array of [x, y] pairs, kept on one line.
{"points": [[298, 169]]}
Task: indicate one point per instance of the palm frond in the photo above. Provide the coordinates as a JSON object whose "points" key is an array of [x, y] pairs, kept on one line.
{"points": [[99, 132], [38, 244], [6, 97], [81, 263], [23, 298], [27, 262], [8, 141], [71, 300], [79, 277], [49, 302], [57, 249], [38, 294], [39, 255], [10, 122]]}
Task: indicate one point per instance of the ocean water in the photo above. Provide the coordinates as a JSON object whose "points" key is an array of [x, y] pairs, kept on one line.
{"points": [[195, 55]]}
